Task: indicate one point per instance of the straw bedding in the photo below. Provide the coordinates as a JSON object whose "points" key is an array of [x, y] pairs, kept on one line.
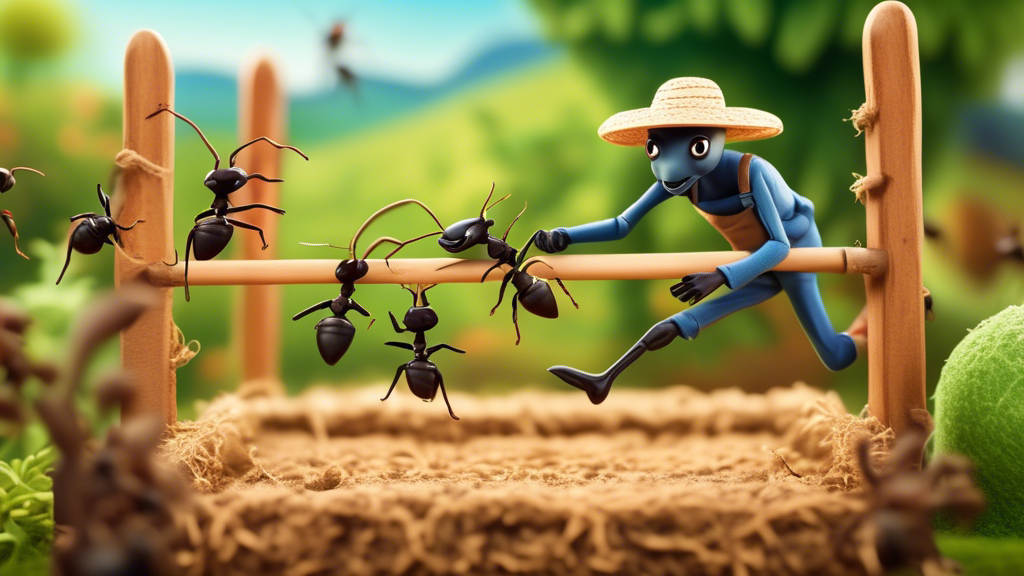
{"points": [[671, 481]]}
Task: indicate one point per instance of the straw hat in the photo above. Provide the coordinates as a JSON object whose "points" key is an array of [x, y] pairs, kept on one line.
{"points": [[689, 102]]}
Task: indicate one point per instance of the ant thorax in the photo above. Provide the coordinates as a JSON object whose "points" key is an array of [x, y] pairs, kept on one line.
{"points": [[498, 249]]}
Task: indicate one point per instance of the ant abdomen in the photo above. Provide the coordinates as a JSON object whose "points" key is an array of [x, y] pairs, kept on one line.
{"points": [[538, 299], [333, 337], [421, 375], [87, 239], [211, 237]]}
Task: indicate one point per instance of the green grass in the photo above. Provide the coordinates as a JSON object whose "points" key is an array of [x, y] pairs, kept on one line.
{"points": [[985, 556]]}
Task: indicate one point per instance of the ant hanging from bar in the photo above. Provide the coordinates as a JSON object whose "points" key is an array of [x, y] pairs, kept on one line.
{"points": [[95, 231], [421, 374], [213, 229], [533, 293], [7, 182], [334, 334]]}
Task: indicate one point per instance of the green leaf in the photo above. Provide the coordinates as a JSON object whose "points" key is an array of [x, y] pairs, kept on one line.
{"points": [[805, 29], [751, 19]]}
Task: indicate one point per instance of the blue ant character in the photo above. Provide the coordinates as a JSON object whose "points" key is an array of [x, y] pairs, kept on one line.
{"points": [[744, 197]]}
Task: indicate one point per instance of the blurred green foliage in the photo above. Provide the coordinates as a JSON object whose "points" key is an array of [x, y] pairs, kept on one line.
{"points": [[32, 31], [26, 506]]}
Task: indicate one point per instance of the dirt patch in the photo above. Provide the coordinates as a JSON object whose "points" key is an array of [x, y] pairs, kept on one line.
{"points": [[670, 481]]}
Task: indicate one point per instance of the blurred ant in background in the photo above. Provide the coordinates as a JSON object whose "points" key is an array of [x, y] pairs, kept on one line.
{"points": [[7, 182], [533, 293], [421, 374], [95, 231], [334, 334], [334, 41], [213, 228]]}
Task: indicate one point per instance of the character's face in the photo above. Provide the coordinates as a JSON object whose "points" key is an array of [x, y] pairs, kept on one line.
{"points": [[225, 180], [679, 156]]}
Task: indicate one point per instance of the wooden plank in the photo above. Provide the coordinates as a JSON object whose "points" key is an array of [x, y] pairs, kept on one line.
{"points": [[148, 195], [566, 267], [896, 354], [258, 312]]}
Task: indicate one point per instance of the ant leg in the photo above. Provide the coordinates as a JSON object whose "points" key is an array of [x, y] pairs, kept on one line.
{"points": [[402, 345], [433, 349], [566, 290], [129, 227], [394, 322], [9, 221], [501, 292], [513, 223], [66, 262], [313, 308], [444, 394], [234, 209], [249, 227], [205, 214], [83, 215], [188, 247], [515, 321], [397, 375], [484, 277]]}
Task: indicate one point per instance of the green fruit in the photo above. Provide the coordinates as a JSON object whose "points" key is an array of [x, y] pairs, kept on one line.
{"points": [[979, 413]]}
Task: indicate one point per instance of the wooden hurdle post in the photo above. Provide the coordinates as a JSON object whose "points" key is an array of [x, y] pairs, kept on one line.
{"points": [[257, 325], [147, 193], [892, 85]]}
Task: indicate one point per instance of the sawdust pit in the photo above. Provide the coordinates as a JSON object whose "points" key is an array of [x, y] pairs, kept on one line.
{"points": [[667, 481]]}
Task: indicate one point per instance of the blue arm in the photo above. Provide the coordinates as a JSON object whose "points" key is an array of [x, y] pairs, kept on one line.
{"points": [[772, 252], [618, 227]]}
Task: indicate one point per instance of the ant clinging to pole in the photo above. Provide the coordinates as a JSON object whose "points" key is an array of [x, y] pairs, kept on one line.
{"points": [[95, 231], [334, 334], [7, 182], [533, 293], [213, 229], [421, 374]]}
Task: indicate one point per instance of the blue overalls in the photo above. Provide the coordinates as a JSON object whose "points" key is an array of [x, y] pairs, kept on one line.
{"points": [[747, 200]]}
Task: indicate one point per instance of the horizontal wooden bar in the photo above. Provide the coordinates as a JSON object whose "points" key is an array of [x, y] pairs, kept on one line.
{"points": [[662, 266]]}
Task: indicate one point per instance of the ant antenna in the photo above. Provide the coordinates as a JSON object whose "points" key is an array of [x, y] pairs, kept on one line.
{"points": [[483, 211], [513, 223], [216, 157], [13, 170], [382, 211], [231, 159], [399, 243]]}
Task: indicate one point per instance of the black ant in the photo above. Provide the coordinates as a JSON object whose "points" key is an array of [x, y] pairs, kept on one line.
{"points": [[90, 236], [213, 229], [7, 182], [334, 40], [334, 334], [421, 374], [533, 293]]}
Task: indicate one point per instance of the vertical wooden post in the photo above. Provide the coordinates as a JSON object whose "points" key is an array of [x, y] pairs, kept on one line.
{"points": [[258, 325], [147, 193], [892, 82]]}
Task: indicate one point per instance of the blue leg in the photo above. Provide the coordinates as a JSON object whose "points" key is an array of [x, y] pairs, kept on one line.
{"points": [[686, 324], [836, 350], [691, 321]]}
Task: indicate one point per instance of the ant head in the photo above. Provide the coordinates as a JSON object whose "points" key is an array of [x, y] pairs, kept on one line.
{"points": [[465, 234], [420, 318], [6, 180], [225, 180], [349, 271]]}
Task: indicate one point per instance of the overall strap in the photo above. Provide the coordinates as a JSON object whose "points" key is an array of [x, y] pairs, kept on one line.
{"points": [[744, 180]]}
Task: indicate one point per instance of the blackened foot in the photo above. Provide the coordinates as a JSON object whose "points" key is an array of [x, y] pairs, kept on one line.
{"points": [[596, 386]]}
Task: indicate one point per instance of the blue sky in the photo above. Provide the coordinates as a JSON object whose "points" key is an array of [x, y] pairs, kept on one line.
{"points": [[420, 41]]}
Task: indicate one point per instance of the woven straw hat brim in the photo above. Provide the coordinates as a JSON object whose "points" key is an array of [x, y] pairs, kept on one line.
{"points": [[629, 128]]}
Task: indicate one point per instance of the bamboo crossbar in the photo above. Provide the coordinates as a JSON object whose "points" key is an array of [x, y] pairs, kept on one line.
{"points": [[665, 266]]}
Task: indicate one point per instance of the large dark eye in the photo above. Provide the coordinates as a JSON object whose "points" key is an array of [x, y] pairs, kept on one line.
{"points": [[700, 147], [652, 150]]}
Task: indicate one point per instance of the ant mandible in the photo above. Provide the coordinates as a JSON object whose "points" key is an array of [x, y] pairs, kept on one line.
{"points": [[421, 374], [7, 182], [95, 231], [533, 293], [334, 334], [213, 229]]}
